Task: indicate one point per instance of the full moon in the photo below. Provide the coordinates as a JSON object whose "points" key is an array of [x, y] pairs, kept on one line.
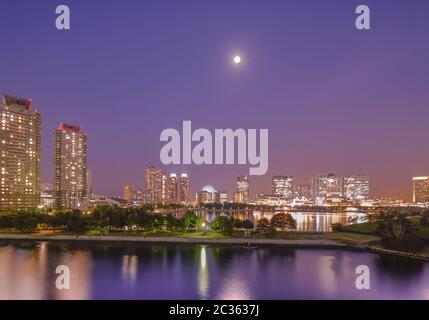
{"points": [[237, 59]]}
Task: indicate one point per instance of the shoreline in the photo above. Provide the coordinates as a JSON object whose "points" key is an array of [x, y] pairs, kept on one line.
{"points": [[304, 243]]}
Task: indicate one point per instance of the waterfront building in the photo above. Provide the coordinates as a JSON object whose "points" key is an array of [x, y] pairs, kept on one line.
{"points": [[327, 185], [128, 193], [221, 197], [420, 189], [19, 154], [238, 197], [156, 186], [70, 167], [184, 189], [172, 189], [243, 186], [356, 187], [282, 186], [270, 200], [303, 191], [207, 195]]}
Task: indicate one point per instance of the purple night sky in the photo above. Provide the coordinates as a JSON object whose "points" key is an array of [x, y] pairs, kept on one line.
{"points": [[334, 98]]}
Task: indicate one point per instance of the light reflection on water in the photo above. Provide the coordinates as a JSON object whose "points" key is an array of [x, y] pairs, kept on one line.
{"points": [[100, 271], [305, 221]]}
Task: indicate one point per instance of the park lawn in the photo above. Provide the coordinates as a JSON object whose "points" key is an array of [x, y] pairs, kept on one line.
{"points": [[363, 228], [178, 234], [278, 235], [352, 238], [191, 235]]}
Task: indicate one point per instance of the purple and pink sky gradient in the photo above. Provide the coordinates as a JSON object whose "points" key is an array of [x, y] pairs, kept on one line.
{"points": [[334, 99]]}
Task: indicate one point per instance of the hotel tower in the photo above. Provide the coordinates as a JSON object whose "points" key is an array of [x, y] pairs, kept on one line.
{"points": [[19, 154], [69, 167]]}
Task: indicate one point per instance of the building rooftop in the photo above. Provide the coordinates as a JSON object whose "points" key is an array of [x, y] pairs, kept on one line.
{"points": [[68, 127], [8, 100]]}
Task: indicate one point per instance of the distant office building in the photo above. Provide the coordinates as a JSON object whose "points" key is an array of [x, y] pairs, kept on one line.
{"points": [[172, 189], [128, 193], [221, 197], [356, 187], [243, 186], [70, 167], [270, 200], [138, 198], [327, 185], [303, 191], [282, 186], [184, 189], [19, 154], [421, 189]]}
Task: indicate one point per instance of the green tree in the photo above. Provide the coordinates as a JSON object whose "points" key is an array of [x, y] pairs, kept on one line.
{"points": [[76, 222], [6, 221], [25, 222], [191, 221], [424, 220], [398, 232], [263, 226], [223, 224], [247, 224], [282, 221], [172, 222]]}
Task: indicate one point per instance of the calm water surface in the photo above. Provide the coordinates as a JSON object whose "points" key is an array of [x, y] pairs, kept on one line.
{"points": [[99, 271], [305, 221]]}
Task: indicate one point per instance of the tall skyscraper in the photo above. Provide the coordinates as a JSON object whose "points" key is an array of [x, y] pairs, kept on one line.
{"points": [[19, 154], [156, 186], [356, 187], [243, 186], [70, 167], [89, 182], [327, 185], [128, 193], [421, 189], [238, 197], [283, 186], [172, 188], [184, 189]]}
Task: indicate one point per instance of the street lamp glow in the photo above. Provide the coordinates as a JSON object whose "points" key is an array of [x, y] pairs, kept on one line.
{"points": [[237, 59]]}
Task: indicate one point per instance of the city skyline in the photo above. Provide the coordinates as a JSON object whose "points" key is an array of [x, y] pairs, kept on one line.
{"points": [[359, 107]]}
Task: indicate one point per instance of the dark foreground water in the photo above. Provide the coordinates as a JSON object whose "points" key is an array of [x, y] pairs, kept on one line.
{"points": [[27, 271]]}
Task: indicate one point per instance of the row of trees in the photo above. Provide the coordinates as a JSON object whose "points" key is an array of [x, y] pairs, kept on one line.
{"points": [[103, 219], [226, 225], [279, 222]]}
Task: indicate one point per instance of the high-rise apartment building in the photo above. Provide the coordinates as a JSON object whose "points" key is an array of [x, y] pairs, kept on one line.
{"points": [[156, 186], [421, 189], [282, 186], [184, 189], [238, 197], [243, 186], [70, 167], [172, 188], [19, 154], [356, 187], [128, 193]]}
